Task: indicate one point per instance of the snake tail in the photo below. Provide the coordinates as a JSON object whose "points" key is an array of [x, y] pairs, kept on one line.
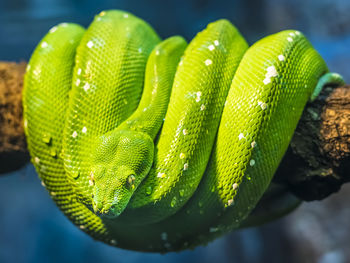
{"points": [[328, 79]]}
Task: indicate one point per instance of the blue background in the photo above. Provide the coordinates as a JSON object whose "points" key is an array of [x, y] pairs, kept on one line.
{"points": [[32, 229]]}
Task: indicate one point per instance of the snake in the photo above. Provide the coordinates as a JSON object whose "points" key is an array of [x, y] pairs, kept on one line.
{"points": [[162, 145]]}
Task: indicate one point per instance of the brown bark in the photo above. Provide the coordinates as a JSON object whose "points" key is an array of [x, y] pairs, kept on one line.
{"points": [[316, 164], [13, 151]]}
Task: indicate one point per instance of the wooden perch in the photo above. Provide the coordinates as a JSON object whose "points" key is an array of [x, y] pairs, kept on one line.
{"points": [[13, 149], [316, 164], [317, 161]]}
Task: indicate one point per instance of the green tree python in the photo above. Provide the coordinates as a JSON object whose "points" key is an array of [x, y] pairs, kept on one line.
{"points": [[157, 145]]}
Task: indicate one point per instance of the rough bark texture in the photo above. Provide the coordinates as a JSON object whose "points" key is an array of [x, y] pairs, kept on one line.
{"points": [[316, 164], [13, 151]]}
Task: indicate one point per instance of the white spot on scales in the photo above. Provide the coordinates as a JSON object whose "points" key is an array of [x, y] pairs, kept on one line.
{"points": [[252, 162], [253, 144], [52, 30], [211, 47], [161, 175], [271, 72], [281, 57], [267, 81], [199, 94], [208, 62], [44, 45], [263, 105], [185, 166], [234, 186], [74, 134], [86, 86], [90, 44]]}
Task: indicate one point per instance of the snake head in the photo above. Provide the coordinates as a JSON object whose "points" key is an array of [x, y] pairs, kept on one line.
{"points": [[120, 163]]}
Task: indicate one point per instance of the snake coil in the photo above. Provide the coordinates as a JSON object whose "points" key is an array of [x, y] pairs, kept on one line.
{"points": [[158, 145]]}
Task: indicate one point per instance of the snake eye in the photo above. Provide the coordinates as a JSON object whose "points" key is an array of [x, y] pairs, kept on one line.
{"points": [[131, 181]]}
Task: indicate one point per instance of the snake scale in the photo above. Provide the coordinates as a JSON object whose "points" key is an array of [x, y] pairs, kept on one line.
{"points": [[158, 145]]}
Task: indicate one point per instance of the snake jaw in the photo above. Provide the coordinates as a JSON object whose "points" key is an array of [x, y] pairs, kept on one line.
{"points": [[108, 210], [103, 207], [112, 190]]}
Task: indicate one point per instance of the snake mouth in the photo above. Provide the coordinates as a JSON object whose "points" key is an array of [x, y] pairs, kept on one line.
{"points": [[107, 210], [106, 214]]}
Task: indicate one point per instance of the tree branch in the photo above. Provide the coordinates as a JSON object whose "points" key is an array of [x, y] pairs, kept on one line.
{"points": [[13, 150], [317, 161], [316, 164]]}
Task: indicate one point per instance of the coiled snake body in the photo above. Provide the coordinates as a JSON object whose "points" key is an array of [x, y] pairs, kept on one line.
{"points": [[190, 160]]}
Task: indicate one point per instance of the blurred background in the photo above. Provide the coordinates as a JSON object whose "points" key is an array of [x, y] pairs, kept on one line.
{"points": [[32, 229]]}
